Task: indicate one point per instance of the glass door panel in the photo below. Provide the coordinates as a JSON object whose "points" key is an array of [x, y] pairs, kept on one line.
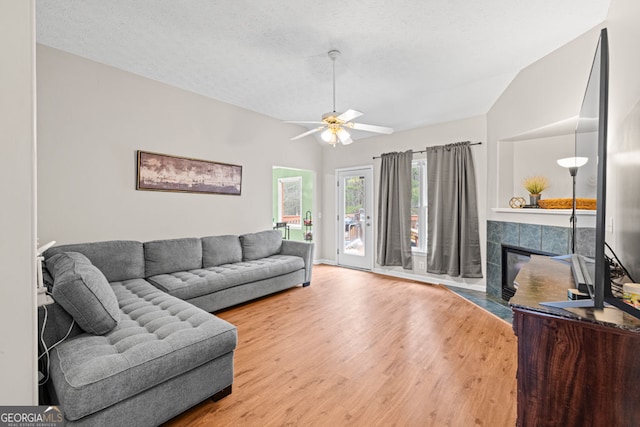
{"points": [[355, 231]]}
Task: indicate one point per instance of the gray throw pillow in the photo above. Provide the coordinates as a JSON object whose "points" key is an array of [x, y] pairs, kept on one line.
{"points": [[260, 245], [83, 291]]}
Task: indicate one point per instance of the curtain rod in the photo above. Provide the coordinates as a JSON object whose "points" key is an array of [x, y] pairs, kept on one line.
{"points": [[424, 151]]}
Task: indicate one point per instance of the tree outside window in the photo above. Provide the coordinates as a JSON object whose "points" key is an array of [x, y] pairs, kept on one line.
{"points": [[354, 196], [290, 201]]}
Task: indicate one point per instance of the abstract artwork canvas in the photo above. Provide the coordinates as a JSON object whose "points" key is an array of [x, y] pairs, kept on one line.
{"points": [[163, 172]]}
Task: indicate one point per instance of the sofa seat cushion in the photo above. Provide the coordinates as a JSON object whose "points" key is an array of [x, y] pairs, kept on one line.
{"points": [[203, 281], [159, 337]]}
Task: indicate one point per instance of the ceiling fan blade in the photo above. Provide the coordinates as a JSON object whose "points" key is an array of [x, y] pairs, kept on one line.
{"points": [[302, 135], [349, 115], [371, 128], [303, 122], [344, 137]]}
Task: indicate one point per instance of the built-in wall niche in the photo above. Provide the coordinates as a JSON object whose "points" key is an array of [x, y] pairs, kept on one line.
{"points": [[523, 158], [537, 153]]}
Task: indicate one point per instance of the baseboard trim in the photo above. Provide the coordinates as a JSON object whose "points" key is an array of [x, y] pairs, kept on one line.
{"points": [[430, 279]]}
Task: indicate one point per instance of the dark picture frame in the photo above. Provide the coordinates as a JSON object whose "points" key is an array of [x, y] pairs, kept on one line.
{"points": [[164, 172]]}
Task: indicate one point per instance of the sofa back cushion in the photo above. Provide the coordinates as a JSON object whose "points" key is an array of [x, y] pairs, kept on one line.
{"points": [[219, 250], [117, 259], [260, 245], [169, 256], [83, 291]]}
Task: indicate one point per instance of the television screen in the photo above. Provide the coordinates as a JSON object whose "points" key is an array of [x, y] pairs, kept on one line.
{"points": [[591, 182], [591, 142], [586, 147]]}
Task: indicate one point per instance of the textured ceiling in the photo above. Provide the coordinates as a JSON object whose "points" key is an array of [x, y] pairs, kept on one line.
{"points": [[404, 64]]}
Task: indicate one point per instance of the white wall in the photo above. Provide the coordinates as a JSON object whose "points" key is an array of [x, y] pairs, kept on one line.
{"points": [[361, 152], [91, 120], [18, 372], [623, 197]]}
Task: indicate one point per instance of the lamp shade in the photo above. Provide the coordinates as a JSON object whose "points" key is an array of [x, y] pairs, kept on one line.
{"points": [[573, 162], [334, 134], [326, 135], [329, 136]]}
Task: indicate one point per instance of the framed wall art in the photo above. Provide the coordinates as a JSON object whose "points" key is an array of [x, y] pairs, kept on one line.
{"points": [[163, 172]]}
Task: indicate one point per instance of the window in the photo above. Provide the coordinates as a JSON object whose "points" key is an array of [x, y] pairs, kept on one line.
{"points": [[290, 201], [419, 206]]}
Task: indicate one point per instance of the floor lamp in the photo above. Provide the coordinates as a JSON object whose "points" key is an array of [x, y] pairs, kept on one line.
{"points": [[573, 163]]}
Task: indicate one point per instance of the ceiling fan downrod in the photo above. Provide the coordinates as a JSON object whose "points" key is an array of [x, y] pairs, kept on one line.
{"points": [[333, 54], [333, 125]]}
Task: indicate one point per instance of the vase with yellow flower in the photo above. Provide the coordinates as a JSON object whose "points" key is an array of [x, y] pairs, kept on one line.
{"points": [[535, 185]]}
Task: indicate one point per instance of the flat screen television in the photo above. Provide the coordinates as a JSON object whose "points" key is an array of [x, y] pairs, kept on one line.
{"points": [[591, 143], [595, 107]]}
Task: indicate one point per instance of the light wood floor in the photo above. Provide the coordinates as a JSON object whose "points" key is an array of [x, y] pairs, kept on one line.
{"points": [[361, 349]]}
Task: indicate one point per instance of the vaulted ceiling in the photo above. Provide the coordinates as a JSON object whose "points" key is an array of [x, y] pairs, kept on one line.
{"points": [[405, 64]]}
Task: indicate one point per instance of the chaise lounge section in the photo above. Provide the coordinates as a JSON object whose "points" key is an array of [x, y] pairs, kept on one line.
{"points": [[142, 346]]}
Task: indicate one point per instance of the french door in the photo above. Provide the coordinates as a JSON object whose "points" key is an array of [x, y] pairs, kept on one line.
{"points": [[355, 217]]}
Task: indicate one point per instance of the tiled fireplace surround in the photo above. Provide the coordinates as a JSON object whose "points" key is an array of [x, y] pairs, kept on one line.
{"points": [[546, 238]]}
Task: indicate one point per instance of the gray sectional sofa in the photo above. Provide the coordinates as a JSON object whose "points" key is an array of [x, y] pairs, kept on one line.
{"points": [[139, 345]]}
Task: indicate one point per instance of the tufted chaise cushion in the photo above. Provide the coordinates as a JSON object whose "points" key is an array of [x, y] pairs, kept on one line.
{"points": [[198, 282], [159, 337]]}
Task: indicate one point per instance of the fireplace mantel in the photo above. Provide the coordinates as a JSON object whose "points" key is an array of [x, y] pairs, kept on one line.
{"points": [[523, 211], [552, 217]]}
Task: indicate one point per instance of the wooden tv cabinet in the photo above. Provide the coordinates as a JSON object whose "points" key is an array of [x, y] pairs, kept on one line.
{"points": [[578, 366]]}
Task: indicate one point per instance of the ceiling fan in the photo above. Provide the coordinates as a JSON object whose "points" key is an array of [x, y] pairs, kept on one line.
{"points": [[334, 124]]}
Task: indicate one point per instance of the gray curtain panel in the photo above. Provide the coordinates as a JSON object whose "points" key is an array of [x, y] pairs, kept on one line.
{"points": [[453, 242], [394, 210]]}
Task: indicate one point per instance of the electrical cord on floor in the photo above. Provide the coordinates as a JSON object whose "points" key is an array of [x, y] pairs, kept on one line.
{"points": [[45, 378]]}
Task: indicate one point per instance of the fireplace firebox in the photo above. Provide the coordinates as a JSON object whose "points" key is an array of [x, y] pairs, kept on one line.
{"points": [[513, 258]]}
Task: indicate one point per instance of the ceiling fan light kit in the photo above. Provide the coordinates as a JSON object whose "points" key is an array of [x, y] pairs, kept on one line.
{"points": [[334, 125]]}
